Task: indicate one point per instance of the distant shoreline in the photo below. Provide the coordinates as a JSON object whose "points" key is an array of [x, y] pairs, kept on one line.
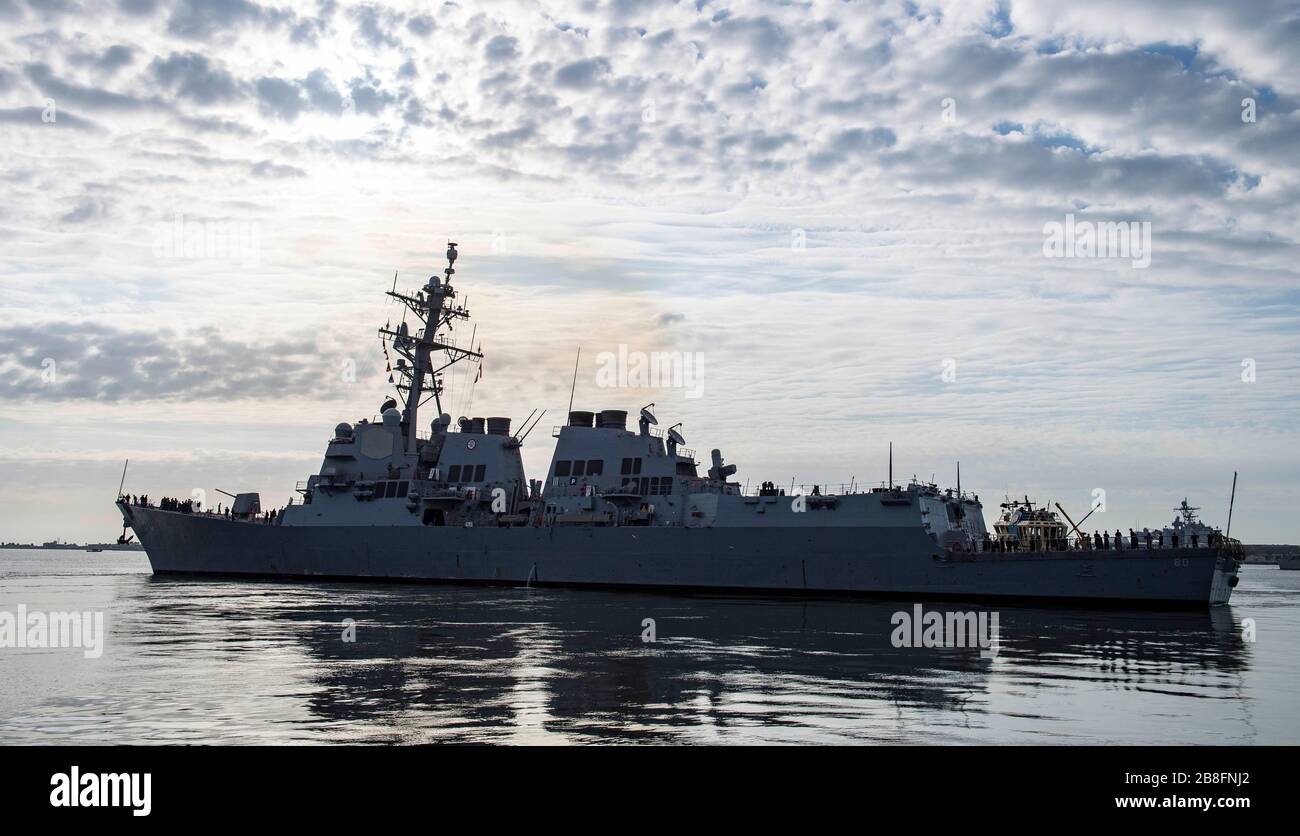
{"points": [[75, 547]]}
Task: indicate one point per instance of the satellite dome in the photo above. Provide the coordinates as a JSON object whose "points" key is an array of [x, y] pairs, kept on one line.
{"points": [[392, 416], [343, 430]]}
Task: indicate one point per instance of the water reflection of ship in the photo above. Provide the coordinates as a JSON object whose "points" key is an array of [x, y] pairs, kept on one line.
{"points": [[474, 664]]}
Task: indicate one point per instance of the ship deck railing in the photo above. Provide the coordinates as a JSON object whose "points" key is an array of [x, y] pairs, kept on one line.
{"points": [[852, 488], [701, 485], [823, 489], [1232, 546]]}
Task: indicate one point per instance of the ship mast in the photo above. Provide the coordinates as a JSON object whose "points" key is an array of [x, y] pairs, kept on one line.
{"points": [[420, 377]]}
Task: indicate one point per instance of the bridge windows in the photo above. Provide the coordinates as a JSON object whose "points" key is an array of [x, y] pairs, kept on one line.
{"points": [[581, 467], [465, 473], [648, 485], [631, 467], [392, 489]]}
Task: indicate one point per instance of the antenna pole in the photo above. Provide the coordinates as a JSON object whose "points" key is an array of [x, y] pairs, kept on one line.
{"points": [[891, 465], [524, 423], [533, 427], [122, 483], [574, 387], [458, 395], [1232, 501], [959, 480]]}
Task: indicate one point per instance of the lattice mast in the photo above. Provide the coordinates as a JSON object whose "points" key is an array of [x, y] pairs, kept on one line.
{"points": [[424, 356]]}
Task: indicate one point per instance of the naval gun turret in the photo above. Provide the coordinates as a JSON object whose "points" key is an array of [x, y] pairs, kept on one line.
{"points": [[246, 506]]}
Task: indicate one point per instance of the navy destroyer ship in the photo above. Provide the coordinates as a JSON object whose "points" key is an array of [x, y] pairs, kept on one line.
{"points": [[629, 506]]}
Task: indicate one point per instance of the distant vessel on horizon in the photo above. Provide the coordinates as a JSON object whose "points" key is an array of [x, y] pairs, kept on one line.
{"points": [[114, 547]]}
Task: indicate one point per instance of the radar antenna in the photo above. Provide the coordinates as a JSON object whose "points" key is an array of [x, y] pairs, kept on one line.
{"points": [[1187, 512], [646, 420]]}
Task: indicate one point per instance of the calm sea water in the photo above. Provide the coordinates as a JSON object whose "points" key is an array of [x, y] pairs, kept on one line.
{"points": [[219, 661]]}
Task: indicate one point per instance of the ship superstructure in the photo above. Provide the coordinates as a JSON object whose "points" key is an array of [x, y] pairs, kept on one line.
{"points": [[624, 505], [1024, 526]]}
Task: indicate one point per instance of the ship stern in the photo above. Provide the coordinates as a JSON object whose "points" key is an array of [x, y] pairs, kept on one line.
{"points": [[1225, 578]]}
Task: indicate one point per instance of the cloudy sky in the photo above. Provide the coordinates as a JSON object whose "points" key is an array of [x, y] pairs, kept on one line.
{"points": [[839, 208]]}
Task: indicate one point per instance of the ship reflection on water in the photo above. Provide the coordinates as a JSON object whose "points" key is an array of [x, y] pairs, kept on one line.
{"points": [[463, 664], [229, 661]]}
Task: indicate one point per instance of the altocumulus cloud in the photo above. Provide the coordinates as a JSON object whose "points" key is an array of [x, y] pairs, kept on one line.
{"points": [[87, 361], [634, 162]]}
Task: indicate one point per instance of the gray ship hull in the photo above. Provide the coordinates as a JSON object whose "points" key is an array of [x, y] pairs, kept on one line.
{"points": [[884, 561]]}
